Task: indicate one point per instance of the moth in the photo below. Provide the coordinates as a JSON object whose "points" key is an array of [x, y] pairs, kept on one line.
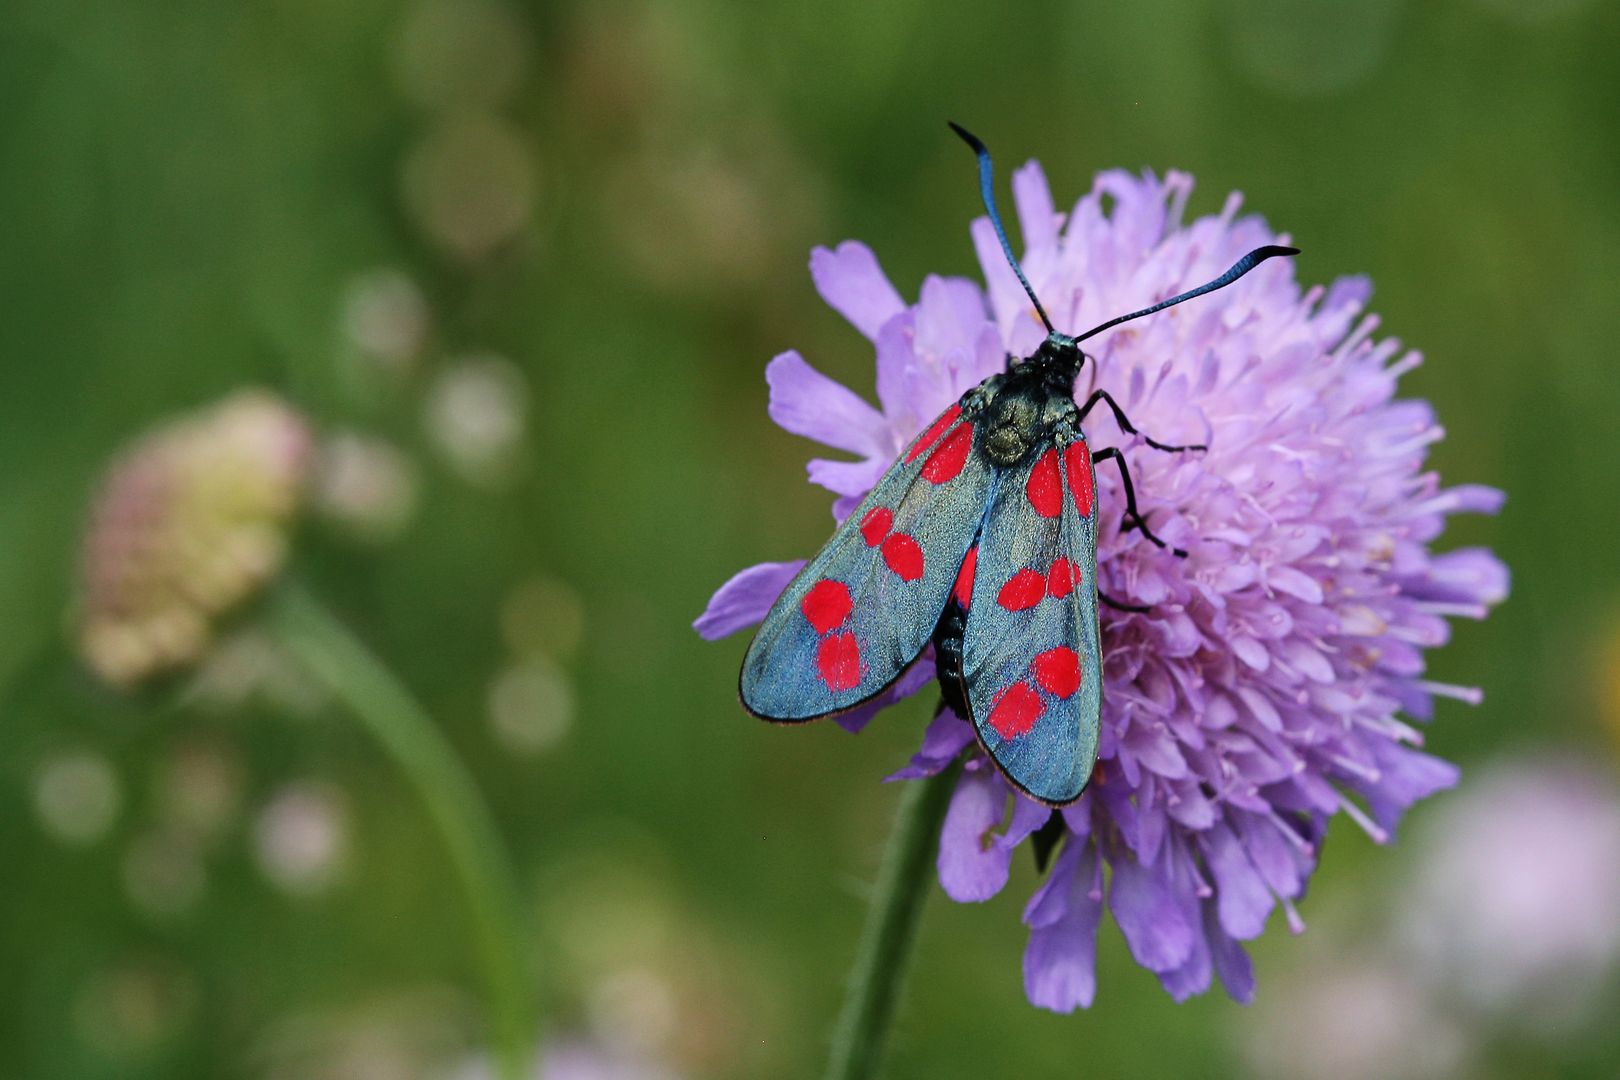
{"points": [[981, 539]]}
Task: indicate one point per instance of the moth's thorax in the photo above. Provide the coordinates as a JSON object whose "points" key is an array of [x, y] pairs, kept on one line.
{"points": [[1031, 404]]}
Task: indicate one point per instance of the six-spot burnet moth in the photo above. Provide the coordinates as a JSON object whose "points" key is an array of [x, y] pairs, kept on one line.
{"points": [[982, 538]]}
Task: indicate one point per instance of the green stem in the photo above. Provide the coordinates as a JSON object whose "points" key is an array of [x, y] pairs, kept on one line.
{"points": [[891, 925], [354, 675]]}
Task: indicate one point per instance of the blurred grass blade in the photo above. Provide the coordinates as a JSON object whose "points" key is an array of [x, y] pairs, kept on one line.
{"points": [[356, 677]]}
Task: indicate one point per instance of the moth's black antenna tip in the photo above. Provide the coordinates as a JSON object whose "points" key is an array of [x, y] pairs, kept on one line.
{"points": [[987, 193], [967, 136]]}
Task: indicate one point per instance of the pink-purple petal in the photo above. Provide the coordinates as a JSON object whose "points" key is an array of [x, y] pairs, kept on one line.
{"points": [[972, 866], [854, 285], [1232, 964], [1148, 912], [852, 479], [911, 680], [1060, 961], [744, 600], [1243, 901], [1037, 217], [808, 403], [943, 741]]}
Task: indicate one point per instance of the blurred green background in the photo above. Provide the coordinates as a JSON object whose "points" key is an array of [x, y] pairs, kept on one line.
{"points": [[584, 227]]}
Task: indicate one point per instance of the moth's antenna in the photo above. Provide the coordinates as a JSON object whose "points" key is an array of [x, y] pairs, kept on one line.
{"points": [[1239, 268], [986, 190]]}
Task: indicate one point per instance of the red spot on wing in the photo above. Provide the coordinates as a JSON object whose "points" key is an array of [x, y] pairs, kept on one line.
{"points": [[1077, 459], [1023, 590], [1062, 580], [964, 577], [876, 524], [1044, 489], [1016, 710], [935, 430], [945, 464], [1058, 671], [839, 660], [826, 604], [904, 556]]}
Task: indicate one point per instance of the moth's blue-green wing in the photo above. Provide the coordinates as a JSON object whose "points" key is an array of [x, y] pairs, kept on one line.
{"points": [[1032, 658], [866, 605]]}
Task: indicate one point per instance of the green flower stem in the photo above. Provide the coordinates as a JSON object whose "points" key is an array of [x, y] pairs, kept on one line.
{"points": [[354, 675], [891, 925]]}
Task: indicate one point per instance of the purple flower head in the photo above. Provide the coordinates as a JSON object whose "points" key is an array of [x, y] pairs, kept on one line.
{"points": [[1259, 695]]}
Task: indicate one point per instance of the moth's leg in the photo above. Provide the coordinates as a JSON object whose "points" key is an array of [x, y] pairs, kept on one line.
{"points": [[1127, 426], [1132, 515], [1118, 606]]}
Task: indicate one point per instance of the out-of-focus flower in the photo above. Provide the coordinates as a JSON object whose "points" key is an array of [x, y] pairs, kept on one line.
{"points": [[202, 789], [1513, 902], [366, 485], [543, 614], [128, 1010], [250, 663], [575, 1058], [77, 796], [1258, 697], [634, 1008], [301, 838], [164, 875], [470, 184], [531, 705], [189, 522], [418, 1034], [1354, 1020], [386, 317], [477, 414], [659, 983]]}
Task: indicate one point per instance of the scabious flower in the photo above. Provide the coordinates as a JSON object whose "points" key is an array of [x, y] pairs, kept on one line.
{"points": [[1258, 698], [1532, 940], [190, 522]]}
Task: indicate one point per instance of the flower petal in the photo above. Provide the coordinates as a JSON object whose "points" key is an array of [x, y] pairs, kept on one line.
{"points": [[1037, 219], [808, 403], [745, 599], [1405, 776], [1242, 900], [852, 478], [972, 866], [897, 364], [945, 738], [1464, 576], [950, 313], [1027, 816], [1060, 962], [1020, 326], [1145, 908], [1192, 975], [914, 678], [854, 285], [1231, 961]]}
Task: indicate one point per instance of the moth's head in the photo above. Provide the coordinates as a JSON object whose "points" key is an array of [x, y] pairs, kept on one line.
{"points": [[1061, 354], [1060, 347]]}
